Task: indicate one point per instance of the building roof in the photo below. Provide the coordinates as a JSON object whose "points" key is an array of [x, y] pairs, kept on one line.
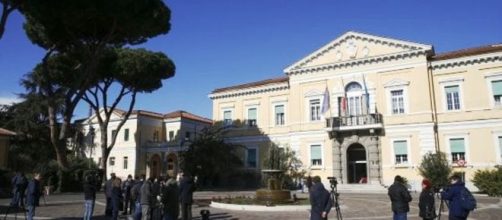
{"points": [[252, 84], [5, 132], [187, 115], [468, 52], [140, 112]]}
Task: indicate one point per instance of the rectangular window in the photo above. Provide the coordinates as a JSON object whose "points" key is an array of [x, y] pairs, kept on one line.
{"points": [[125, 163], [252, 117], [401, 152], [397, 101], [315, 110], [457, 148], [171, 135], [156, 136], [227, 117], [500, 147], [279, 115], [187, 135], [315, 155], [452, 97], [112, 161], [126, 134], [497, 92], [251, 158]]}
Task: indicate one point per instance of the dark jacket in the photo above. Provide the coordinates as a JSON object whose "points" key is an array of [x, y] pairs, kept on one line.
{"points": [[89, 191], [136, 191], [116, 197], [126, 188], [19, 183], [146, 194], [187, 187], [108, 188], [170, 199], [453, 195], [426, 204], [400, 198], [33, 193], [320, 201]]}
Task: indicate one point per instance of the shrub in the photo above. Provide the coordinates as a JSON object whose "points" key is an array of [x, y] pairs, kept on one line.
{"points": [[436, 168], [489, 181]]}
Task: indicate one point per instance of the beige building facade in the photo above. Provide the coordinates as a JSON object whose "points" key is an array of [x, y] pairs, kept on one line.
{"points": [[365, 108]]}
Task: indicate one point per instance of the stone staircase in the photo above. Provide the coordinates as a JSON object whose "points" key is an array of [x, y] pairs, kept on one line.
{"points": [[360, 188]]}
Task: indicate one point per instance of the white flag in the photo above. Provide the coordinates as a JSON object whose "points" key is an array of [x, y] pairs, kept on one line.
{"points": [[325, 102]]}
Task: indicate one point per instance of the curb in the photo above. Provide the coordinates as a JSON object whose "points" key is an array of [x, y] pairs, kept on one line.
{"points": [[259, 208]]}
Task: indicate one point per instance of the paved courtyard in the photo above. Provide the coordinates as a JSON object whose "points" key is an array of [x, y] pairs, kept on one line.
{"points": [[353, 206]]}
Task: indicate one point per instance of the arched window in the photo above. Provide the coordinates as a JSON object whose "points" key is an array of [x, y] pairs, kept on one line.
{"points": [[354, 92], [353, 87]]}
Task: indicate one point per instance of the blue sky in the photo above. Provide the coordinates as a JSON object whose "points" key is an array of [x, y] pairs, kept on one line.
{"points": [[220, 43]]}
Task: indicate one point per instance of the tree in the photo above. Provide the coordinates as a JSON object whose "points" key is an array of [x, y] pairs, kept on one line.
{"points": [[133, 70], [284, 159], [209, 157], [78, 35], [436, 168], [8, 6]]}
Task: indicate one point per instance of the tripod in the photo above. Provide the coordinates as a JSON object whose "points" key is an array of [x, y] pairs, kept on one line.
{"points": [[16, 210], [334, 198], [441, 205]]}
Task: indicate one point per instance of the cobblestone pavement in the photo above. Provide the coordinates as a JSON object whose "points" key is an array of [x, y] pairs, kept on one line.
{"points": [[353, 206]]}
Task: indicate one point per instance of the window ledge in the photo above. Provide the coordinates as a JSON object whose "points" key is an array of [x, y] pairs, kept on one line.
{"points": [[316, 167], [402, 166]]}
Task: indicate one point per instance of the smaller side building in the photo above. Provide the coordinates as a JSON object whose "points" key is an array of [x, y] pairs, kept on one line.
{"points": [[5, 136], [148, 143]]}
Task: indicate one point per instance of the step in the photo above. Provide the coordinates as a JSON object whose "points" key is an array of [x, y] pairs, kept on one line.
{"points": [[361, 188]]}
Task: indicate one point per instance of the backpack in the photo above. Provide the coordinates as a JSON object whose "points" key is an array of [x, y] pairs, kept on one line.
{"points": [[467, 200]]}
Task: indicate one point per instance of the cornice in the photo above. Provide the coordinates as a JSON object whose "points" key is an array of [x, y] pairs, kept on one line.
{"points": [[466, 61], [358, 62], [250, 91]]}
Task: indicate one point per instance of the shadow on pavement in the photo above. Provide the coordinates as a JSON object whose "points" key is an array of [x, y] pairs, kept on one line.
{"points": [[222, 215]]}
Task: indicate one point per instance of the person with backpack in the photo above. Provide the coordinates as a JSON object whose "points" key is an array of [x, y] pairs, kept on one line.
{"points": [[320, 200], [460, 198], [426, 203], [400, 198]]}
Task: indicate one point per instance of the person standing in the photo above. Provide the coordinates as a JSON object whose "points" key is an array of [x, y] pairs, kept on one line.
{"points": [[126, 188], [19, 184], [426, 202], [170, 200], [136, 196], [187, 187], [108, 195], [454, 195], [320, 200], [400, 198], [116, 197], [89, 196], [146, 199], [33, 195]]}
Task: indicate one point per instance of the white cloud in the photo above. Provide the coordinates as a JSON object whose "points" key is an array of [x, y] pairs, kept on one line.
{"points": [[9, 100]]}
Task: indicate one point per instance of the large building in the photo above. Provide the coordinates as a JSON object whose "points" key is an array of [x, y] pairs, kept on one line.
{"points": [[365, 108], [148, 143], [5, 136]]}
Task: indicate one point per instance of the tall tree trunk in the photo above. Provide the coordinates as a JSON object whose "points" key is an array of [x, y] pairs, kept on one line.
{"points": [[58, 145], [104, 150]]}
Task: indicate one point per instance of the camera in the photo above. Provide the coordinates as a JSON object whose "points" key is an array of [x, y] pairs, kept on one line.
{"points": [[332, 181]]}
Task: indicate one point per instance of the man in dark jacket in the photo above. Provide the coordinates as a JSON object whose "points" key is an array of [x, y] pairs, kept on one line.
{"points": [[453, 195], [89, 196], [187, 187], [146, 199], [136, 196], [33, 195], [170, 200], [400, 198], [19, 184], [320, 200], [126, 189], [108, 194]]}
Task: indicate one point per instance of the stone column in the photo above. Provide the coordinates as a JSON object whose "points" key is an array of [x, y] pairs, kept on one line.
{"points": [[337, 168], [373, 160]]}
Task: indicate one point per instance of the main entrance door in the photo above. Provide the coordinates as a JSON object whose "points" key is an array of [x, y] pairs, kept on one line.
{"points": [[357, 169], [155, 166]]}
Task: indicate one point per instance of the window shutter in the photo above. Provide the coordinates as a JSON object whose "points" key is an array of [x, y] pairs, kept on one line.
{"points": [[451, 89], [279, 109], [252, 113], [457, 145], [400, 148], [497, 87], [315, 152]]}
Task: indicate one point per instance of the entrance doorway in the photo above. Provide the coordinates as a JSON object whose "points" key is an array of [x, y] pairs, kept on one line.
{"points": [[172, 165], [357, 169], [155, 166]]}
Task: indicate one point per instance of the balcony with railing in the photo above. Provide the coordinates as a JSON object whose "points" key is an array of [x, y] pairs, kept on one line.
{"points": [[355, 122]]}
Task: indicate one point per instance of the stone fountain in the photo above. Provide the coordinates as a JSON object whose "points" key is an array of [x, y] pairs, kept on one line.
{"points": [[273, 178]]}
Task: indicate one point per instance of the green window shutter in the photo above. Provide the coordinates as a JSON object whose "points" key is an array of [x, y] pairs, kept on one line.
{"points": [[451, 89], [315, 152], [252, 113], [400, 148], [279, 109], [457, 145], [497, 87], [227, 115], [500, 145]]}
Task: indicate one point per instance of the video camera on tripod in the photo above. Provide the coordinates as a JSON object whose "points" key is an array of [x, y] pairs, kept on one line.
{"points": [[334, 196], [332, 182]]}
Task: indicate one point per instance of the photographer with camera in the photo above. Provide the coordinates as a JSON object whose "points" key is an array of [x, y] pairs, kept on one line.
{"points": [[460, 199], [400, 198], [320, 200]]}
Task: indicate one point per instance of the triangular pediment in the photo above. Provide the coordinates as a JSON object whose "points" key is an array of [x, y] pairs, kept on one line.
{"points": [[356, 46]]}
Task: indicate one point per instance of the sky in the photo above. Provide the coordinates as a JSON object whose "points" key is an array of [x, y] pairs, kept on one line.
{"points": [[220, 43]]}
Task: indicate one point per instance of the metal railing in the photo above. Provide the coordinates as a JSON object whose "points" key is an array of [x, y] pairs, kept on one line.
{"points": [[356, 120]]}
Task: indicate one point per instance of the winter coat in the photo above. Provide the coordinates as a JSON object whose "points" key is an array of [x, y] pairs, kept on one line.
{"points": [[136, 191], [187, 187], [426, 204], [33, 194], [453, 195], [116, 198], [126, 188], [19, 183], [146, 194], [320, 201], [108, 188], [89, 191], [170, 199], [400, 198]]}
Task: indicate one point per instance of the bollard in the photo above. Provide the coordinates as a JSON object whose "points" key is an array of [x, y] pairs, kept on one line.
{"points": [[204, 213]]}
